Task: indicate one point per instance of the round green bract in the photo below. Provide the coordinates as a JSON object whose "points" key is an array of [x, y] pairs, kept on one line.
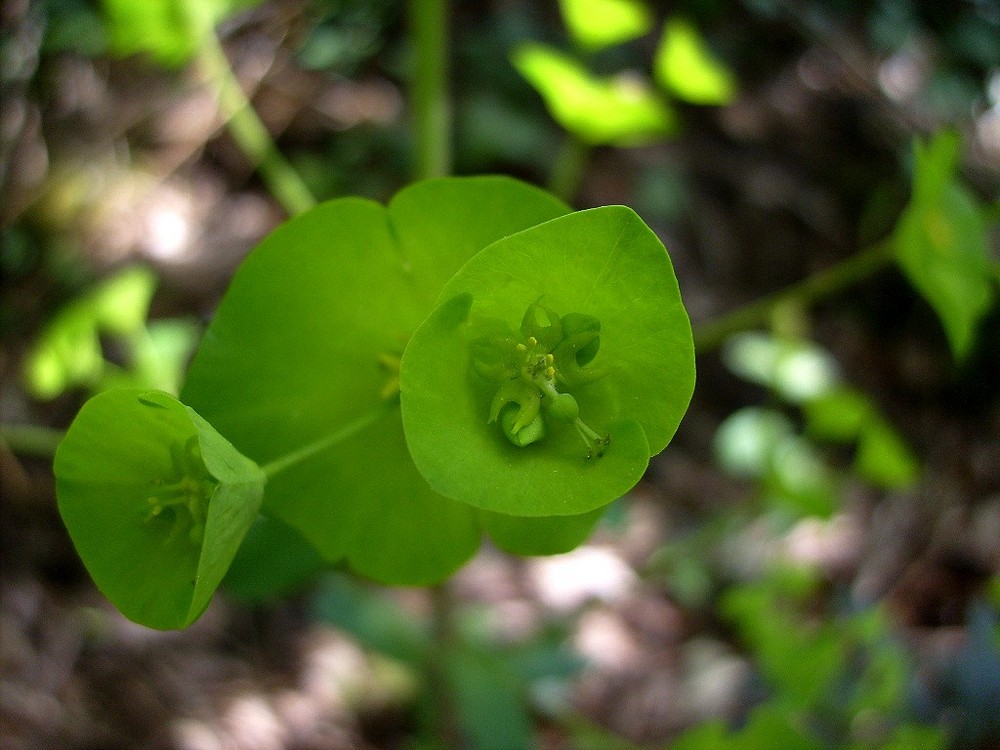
{"points": [[119, 453], [604, 263], [303, 344]]}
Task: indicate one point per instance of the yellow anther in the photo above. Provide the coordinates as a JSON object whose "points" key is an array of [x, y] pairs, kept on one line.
{"points": [[532, 342], [550, 360], [550, 372], [522, 348]]}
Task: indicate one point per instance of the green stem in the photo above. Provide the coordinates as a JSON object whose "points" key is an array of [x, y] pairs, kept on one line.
{"points": [[31, 440], [429, 90], [857, 268], [250, 133], [446, 723], [349, 430], [568, 168]]}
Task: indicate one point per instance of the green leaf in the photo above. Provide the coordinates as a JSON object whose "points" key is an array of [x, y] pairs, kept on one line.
{"points": [[622, 110], [273, 561], [156, 502], [686, 67], [539, 536], [940, 243], [307, 341], [603, 266], [596, 24], [168, 31]]}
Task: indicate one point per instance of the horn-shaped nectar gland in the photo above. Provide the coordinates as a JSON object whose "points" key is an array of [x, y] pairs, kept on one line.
{"points": [[550, 350]]}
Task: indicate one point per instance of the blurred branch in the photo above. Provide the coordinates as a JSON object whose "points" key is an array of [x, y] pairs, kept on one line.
{"points": [[30, 440], [250, 133], [849, 272], [429, 89]]}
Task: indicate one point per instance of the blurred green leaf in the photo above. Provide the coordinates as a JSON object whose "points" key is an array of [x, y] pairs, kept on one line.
{"points": [[622, 110], [168, 31], [491, 701], [883, 458], [685, 66], [68, 352], [800, 660], [839, 415], [940, 242], [161, 352], [372, 617], [746, 440], [795, 369], [916, 737], [771, 727], [596, 24]]}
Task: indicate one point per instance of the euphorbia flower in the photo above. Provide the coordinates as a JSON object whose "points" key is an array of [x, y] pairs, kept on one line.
{"points": [[558, 361]]}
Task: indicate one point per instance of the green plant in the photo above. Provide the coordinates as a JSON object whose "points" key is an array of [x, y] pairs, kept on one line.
{"points": [[390, 452]]}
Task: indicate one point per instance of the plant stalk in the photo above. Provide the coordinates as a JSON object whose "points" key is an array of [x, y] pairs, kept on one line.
{"points": [[250, 134], [858, 267], [429, 96], [30, 440], [446, 725], [568, 168]]}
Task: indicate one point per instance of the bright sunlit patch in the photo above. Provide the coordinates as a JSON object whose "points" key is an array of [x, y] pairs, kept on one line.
{"points": [[565, 582], [168, 226]]}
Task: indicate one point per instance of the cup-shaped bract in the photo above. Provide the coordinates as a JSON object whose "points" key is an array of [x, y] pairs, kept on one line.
{"points": [[595, 312], [155, 501], [306, 342]]}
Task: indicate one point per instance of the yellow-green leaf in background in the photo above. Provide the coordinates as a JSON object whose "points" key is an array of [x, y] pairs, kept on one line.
{"points": [[621, 110], [686, 67], [596, 24]]}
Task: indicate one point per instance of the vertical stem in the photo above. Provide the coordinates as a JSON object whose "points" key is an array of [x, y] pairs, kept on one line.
{"points": [[431, 113], [429, 90], [250, 133], [568, 168], [445, 720]]}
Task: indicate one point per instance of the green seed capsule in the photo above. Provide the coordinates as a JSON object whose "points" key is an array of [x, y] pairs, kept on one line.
{"points": [[564, 407]]}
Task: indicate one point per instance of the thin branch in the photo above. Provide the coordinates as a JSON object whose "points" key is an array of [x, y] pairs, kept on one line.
{"points": [[857, 268], [251, 135]]}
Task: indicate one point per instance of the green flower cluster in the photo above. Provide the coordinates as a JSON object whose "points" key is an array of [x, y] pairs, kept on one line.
{"points": [[548, 353]]}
